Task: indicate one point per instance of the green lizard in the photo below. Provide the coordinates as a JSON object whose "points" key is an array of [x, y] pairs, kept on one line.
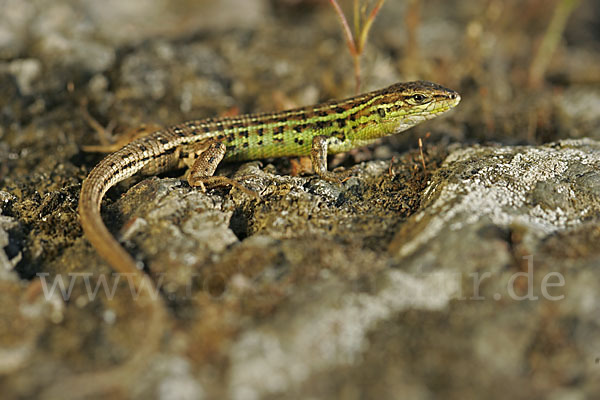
{"points": [[314, 131]]}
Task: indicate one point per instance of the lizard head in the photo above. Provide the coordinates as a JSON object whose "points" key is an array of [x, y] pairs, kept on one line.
{"points": [[407, 104]]}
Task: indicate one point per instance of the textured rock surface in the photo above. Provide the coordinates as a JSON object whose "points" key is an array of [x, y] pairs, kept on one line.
{"points": [[475, 277]]}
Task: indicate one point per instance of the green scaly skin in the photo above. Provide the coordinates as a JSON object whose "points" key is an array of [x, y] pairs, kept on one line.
{"points": [[326, 128]]}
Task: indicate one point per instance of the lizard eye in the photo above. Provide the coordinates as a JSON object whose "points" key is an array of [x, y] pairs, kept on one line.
{"points": [[419, 98]]}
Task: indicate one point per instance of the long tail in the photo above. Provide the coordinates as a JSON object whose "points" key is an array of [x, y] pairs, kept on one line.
{"points": [[147, 154], [120, 376], [92, 192]]}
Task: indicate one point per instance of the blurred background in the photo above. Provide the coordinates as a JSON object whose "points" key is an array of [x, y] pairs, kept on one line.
{"points": [[75, 73], [161, 61]]}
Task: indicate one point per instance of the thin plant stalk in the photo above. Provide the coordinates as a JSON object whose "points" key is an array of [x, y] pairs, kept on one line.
{"points": [[356, 42], [364, 32], [550, 41]]}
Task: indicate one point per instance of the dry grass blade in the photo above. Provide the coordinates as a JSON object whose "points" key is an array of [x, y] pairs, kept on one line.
{"points": [[356, 42], [550, 41]]}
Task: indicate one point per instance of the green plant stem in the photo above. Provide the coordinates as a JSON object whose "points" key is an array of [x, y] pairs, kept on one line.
{"points": [[364, 32], [356, 46], [345, 26]]}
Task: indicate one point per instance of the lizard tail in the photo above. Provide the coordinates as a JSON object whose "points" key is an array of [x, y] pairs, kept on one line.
{"points": [[120, 376], [96, 232]]}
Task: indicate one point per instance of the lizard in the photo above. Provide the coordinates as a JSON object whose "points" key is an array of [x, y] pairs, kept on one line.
{"points": [[316, 131]]}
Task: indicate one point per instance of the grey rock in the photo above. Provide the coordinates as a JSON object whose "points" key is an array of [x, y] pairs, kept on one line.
{"points": [[539, 188]]}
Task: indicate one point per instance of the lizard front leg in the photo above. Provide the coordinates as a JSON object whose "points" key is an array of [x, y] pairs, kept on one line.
{"points": [[318, 156], [208, 154]]}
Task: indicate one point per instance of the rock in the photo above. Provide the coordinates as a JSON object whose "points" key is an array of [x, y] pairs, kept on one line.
{"points": [[540, 189]]}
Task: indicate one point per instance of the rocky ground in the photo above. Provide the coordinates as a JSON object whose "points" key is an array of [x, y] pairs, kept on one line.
{"points": [[465, 272]]}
